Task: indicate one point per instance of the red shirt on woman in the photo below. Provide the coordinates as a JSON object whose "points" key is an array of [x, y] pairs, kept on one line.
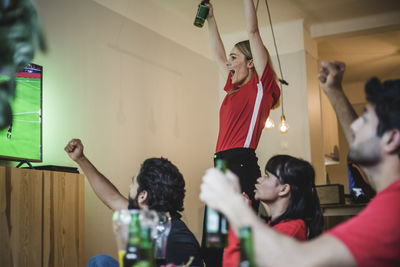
{"points": [[243, 113]]}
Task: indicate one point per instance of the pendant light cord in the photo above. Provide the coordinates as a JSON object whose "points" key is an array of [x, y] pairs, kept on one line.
{"points": [[282, 80]]}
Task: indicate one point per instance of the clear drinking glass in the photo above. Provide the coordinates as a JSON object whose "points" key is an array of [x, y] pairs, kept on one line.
{"points": [[149, 219], [162, 231], [159, 222], [121, 220]]}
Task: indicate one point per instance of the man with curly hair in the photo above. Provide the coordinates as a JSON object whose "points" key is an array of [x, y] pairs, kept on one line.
{"points": [[158, 186]]}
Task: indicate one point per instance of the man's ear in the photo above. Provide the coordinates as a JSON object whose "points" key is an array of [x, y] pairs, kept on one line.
{"points": [[142, 197], [391, 141], [285, 190]]}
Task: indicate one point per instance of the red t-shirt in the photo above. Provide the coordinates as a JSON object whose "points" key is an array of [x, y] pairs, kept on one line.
{"points": [[243, 114], [294, 228], [373, 236]]}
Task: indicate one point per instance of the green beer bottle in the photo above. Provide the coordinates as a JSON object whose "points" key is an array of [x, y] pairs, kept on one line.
{"points": [[146, 249], [246, 248], [202, 13], [132, 249], [216, 223]]}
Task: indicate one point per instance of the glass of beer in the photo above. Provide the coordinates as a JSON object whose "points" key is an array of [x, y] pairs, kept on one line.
{"points": [[121, 220]]}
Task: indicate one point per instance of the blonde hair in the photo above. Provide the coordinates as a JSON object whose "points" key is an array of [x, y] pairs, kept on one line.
{"points": [[244, 48]]}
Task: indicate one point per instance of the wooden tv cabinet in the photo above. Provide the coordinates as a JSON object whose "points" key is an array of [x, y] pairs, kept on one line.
{"points": [[41, 218]]}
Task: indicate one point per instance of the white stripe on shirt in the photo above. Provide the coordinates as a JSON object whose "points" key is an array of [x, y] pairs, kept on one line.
{"points": [[255, 114]]}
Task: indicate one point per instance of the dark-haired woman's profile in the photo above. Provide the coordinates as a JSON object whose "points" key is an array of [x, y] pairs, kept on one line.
{"points": [[288, 188]]}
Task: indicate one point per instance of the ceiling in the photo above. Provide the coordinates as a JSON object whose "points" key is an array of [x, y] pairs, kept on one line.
{"points": [[371, 49], [229, 13], [366, 55]]}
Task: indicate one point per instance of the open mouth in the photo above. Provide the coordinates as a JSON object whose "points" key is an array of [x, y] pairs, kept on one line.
{"points": [[233, 72]]}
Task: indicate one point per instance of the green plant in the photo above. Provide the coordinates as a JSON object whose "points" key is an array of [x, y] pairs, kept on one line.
{"points": [[20, 36]]}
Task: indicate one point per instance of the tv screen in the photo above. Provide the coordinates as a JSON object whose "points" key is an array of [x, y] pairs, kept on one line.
{"points": [[22, 140]]}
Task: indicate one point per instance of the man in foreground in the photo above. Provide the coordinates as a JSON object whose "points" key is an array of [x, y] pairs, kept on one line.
{"points": [[372, 238], [158, 186]]}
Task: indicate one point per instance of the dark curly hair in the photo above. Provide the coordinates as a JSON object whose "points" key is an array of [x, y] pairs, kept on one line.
{"points": [[385, 96], [164, 184], [304, 201]]}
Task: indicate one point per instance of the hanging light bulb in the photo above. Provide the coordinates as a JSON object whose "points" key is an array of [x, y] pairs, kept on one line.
{"points": [[283, 126], [269, 124]]}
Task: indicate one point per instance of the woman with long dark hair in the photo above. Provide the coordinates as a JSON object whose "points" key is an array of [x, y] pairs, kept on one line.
{"points": [[288, 188]]}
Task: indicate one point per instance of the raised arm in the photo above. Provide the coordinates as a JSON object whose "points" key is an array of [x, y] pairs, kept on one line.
{"points": [[260, 54], [103, 188], [271, 247], [330, 79], [217, 47]]}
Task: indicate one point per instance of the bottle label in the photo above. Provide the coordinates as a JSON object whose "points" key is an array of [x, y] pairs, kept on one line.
{"points": [[212, 220], [131, 256], [244, 264], [224, 226], [132, 249], [202, 12]]}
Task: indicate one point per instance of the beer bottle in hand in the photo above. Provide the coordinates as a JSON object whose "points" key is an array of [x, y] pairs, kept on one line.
{"points": [[246, 248], [202, 13], [132, 249], [216, 223]]}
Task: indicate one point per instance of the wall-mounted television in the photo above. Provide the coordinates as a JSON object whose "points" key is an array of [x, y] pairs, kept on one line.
{"points": [[22, 140]]}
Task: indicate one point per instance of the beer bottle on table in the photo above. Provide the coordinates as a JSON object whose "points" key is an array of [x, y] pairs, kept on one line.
{"points": [[246, 248], [132, 249], [216, 223], [146, 248], [202, 13]]}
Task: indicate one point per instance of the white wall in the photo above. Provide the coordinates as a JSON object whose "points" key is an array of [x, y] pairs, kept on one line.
{"points": [[129, 94], [315, 109], [165, 20]]}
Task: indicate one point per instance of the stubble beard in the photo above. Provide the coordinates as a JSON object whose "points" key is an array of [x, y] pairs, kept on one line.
{"points": [[133, 203], [365, 153]]}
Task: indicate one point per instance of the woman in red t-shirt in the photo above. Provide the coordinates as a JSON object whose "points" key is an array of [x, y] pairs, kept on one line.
{"points": [[288, 188], [251, 91]]}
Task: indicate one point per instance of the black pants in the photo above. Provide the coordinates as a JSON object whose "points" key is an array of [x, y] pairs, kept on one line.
{"points": [[242, 162]]}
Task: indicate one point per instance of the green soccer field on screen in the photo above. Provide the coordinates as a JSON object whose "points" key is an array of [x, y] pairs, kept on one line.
{"points": [[22, 139]]}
